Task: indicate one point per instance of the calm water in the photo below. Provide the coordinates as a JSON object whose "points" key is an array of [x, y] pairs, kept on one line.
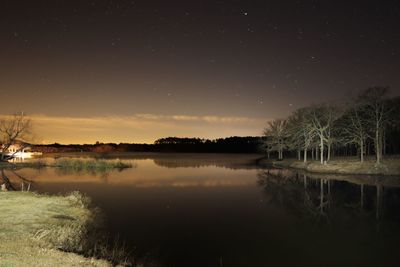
{"points": [[225, 210]]}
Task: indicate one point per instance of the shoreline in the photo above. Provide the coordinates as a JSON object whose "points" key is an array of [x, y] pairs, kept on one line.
{"points": [[348, 166], [390, 166], [52, 230]]}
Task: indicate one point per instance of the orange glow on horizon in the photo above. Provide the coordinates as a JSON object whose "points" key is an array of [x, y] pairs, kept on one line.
{"points": [[140, 128]]}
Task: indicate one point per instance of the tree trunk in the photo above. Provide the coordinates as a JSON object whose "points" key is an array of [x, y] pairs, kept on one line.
{"points": [[305, 155], [298, 154], [377, 146], [322, 149], [384, 142], [361, 150], [329, 153]]}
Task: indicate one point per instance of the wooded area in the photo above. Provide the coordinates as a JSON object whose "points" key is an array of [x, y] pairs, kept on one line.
{"points": [[368, 124]]}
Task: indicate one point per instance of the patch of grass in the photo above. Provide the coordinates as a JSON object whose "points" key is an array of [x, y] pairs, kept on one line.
{"points": [[90, 165], [42, 230], [71, 165]]}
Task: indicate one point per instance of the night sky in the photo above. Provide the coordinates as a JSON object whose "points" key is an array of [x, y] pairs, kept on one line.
{"points": [[134, 71]]}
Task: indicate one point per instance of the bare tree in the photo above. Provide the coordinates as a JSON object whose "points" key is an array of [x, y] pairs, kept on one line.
{"points": [[293, 141], [354, 128], [322, 119], [301, 131], [377, 115], [13, 128], [276, 136]]}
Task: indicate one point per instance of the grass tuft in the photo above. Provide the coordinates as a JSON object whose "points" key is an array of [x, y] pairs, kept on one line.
{"points": [[90, 165], [49, 228], [71, 165]]}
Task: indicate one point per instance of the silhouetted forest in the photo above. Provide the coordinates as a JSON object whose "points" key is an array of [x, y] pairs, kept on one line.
{"points": [[249, 144]]}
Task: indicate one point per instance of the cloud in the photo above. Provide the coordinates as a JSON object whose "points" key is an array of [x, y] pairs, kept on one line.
{"points": [[209, 119], [140, 128]]}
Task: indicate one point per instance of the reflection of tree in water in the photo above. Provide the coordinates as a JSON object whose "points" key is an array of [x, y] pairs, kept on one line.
{"points": [[102, 173], [295, 193], [12, 180], [20, 183], [195, 162], [325, 199]]}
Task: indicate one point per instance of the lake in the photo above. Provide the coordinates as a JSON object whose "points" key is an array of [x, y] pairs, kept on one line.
{"points": [[228, 210]]}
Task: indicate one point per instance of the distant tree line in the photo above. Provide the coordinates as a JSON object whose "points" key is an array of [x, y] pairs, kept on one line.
{"points": [[234, 144], [369, 124]]}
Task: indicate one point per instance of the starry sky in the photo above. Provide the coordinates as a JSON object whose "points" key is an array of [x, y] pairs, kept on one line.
{"points": [[135, 71]]}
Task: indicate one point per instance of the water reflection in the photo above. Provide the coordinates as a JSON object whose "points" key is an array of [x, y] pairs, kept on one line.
{"points": [[330, 198], [294, 193], [158, 171], [14, 176], [19, 183], [198, 161]]}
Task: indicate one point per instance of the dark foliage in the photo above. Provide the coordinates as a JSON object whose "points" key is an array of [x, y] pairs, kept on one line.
{"points": [[234, 144]]}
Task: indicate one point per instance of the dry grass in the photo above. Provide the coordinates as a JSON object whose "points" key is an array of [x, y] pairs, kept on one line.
{"points": [[36, 230], [90, 165], [73, 165]]}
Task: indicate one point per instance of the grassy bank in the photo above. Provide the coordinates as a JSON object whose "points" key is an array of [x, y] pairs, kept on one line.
{"points": [[38, 230], [89, 165], [348, 165]]}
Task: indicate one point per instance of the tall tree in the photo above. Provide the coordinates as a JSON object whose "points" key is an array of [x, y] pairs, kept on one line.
{"points": [[293, 141], [393, 129], [353, 127], [301, 131], [276, 133], [374, 104], [322, 119]]}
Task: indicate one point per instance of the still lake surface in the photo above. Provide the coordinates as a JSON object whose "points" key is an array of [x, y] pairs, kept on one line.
{"points": [[228, 210]]}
